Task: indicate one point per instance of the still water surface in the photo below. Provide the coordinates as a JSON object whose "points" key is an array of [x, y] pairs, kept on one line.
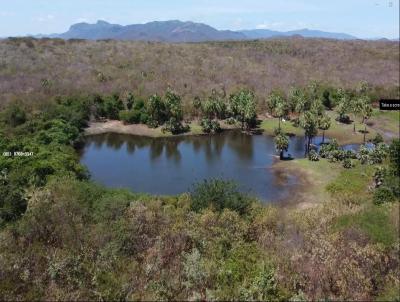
{"points": [[171, 165]]}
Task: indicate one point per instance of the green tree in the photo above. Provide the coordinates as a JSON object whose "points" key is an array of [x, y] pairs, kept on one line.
{"points": [[174, 113], [366, 111], [273, 99], [156, 110], [219, 194], [309, 123], [14, 115], [324, 123], [281, 144], [130, 100], [243, 107], [281, 110], [343, 104], [298, 100]]}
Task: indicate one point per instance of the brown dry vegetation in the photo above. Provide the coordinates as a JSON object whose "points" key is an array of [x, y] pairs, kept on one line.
{"points": [[35, 69]]}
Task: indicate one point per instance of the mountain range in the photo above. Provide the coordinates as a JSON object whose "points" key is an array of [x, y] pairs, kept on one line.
{"points": [[178, 31]]}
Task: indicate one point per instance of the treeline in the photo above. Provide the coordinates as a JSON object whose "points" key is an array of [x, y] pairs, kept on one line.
{"points": [[304, 106], [167, 110]]}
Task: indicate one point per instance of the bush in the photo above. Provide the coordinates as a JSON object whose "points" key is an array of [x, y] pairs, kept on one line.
{"points": [[350, 154], [12, 203], [345, 119], [377, 139], [143, 117], [130, 116], [14, 115], [326, 149], [210, 126], [348, 163], [230, 121], [383, 195], [313, 155], [219, 194], [277, 131], [138, 105], [175, 127]]}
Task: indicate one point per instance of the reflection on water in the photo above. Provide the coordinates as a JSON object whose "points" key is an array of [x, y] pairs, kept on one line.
{"points": [[171, 165]]}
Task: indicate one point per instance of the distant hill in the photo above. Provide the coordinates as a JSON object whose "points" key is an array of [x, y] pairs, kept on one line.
{"points": [[306, 33], [178, 31], [166, 31]]}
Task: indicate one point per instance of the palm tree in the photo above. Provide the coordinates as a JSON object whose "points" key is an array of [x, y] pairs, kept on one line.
{"points": [[343, 104], [309, 123], [243, 106], [357, 108], [324, 123], [280, 110], [281, 144], [366, 112]]}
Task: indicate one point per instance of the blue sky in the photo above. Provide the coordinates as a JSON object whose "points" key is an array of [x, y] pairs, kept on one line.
{"points": [[362, 18]]}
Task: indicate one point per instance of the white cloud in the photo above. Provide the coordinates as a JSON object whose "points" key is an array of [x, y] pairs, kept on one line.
{"points": [[45, 18], [270, 25], [282, 26]]}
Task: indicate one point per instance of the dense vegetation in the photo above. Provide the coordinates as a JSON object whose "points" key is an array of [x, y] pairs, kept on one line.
{"points": [[27, 67], [64, 237]]}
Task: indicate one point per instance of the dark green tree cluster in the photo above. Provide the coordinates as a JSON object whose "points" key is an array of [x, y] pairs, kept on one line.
{"points": [[156, 111], [46, 140], [240, 108]]}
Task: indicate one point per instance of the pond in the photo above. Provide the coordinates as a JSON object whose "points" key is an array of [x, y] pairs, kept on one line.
{"points": [[171, 165]]}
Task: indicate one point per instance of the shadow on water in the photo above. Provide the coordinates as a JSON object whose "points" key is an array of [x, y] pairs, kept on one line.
{"points": [[171, 165]]}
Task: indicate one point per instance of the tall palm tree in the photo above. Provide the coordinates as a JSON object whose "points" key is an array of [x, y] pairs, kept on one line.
{"points": [[309, 123], [366, 112], [280, 110], [281, 144], [324, 123]]}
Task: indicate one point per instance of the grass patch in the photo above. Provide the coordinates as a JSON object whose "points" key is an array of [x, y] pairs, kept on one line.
{"points": [[342, 132], [352, 181], [268, 125], [374, 221], [386, 122]]}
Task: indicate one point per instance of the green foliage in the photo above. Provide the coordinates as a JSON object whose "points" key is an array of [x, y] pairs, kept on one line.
{"points": [[348, 163], [219, 194], [281, 144], [129, 116], [210, 126], [309, 123], [174, 113], [12, 202], [377, 139], [313, 155], [394, 157], [156, 111], [108, 106], [383, 195], [14, 115], [374, 222], [264, 287], [243, 107]]}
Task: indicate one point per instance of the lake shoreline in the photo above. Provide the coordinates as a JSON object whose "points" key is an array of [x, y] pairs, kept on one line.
{"points": [[118, 127]]}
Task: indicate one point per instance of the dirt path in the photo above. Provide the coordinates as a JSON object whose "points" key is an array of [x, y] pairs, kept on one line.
{"points": [[118, 127], [115, 126]]}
